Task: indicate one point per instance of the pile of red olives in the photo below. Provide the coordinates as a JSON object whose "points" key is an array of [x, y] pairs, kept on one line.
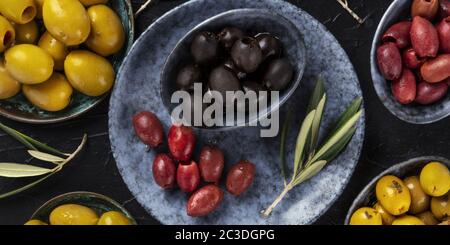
{"points": [[178, 168], [415, 55], [232, 61]]}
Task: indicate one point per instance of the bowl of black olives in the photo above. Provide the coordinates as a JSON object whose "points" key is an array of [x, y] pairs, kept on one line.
{"points": [[238, 50]]}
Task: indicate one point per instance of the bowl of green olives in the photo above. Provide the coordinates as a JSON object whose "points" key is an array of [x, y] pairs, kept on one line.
{"points": [[414, 192], [240, 50], [60, 58]]}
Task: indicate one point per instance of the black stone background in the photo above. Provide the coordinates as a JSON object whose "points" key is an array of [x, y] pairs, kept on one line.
{"points": [[388, 140]]}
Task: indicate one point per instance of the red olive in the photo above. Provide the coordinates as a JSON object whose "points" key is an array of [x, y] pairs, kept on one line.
{"points": [[181, 142], [404, 89], [443, 29], [411, 60], [428, 93], [437, 69], [389, 61], [425, 8], [211, 163], [148, 128], [399, 34], [164, 171], [204, 201], [240, 177], [424, 37], [444, 8], [188, 176]]}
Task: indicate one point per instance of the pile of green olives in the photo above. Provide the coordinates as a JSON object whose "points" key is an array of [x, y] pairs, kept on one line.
{"points": [[415, 200], [40, 41], [75, 214]]}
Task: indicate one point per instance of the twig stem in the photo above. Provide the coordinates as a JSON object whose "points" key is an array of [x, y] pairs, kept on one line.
{"points": [[344, 4], [142, 8]]}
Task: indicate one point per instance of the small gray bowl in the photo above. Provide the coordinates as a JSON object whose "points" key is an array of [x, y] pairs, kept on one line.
{"points": [[251, 21], [402, 170], [413, 113]]}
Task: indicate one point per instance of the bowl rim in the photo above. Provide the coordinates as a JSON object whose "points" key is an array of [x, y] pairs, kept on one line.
{"points": [[370, 187], [287, 93], [84, 193], [39, 121]]}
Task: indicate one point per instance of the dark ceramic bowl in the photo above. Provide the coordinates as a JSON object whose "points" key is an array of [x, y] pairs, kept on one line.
{"points": [[413, 113], [99, 203], [251, 21], [367, 198], [19, 109]]}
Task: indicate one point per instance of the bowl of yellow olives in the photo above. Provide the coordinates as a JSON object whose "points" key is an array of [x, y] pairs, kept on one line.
{"points": [[415, 192], [59, 58], [81, 208]]}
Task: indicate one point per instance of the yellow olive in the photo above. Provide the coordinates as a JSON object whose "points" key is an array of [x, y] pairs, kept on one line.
{"points": [[7, 34], [420, 201], [440, 207], [55, 48], [113, 218], [8, 85], [393, 195], [51, 95], [407, 220], [39, 4], [29, 63], [428, 218], [35, 222], [385, 215], [435, 179], [27, 33], [67, 21], [107, 35], [92, 2], [73, 214], [89, 73], [366, 216], [18, 11]]}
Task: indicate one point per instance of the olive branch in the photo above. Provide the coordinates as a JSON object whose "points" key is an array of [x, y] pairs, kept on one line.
{"points": [[344, 4]]}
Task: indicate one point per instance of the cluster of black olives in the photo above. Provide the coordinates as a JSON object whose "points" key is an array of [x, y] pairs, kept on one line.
{"points": [[233, 61]]}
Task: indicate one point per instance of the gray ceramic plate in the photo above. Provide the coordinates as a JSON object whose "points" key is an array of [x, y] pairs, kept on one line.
{"points": [[399, 10], [401, 170], [138, 88], [19, 109]]}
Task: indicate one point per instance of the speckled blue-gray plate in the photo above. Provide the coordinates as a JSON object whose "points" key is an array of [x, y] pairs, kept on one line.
{"points": [[138, 88]]}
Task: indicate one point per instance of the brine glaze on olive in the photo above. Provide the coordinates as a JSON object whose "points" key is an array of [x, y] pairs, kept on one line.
{"points": [[399, 34], [443, 29], [204, 201], [269, 44], [240, 177], [164, 171], [425, 8], [389, 61], [278, 74], [246, 54], [205, 47], [428, 93], [229, 35], [187, 76], [148, 128], [420, 201], [424, 37], [222, 79], [411, 60], [211, 163], [444, 8], [404, 89], [181, 140], [188, 176]]}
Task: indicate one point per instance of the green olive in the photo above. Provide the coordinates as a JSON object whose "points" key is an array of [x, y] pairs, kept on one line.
{"points": [[88, 3], [7, 34], [366, 216], [385, 215], [8, 85], [407, 220], [27, 33], [89, 73], [29, 63], [420, 201], [435, 179], [440, 207], [107, 35], [18, 11], [55, 48], [113, 218], [393, 195], [67, 21], [35, 222], [73, 214], [51, 95], [428, 218]]}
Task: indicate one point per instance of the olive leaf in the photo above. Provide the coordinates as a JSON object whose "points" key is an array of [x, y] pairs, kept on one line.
{"points": [[301, 142], [284, 132], [46, 157], [310, 172], [16, 170]]}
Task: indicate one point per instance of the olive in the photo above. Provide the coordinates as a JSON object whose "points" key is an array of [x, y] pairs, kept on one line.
{"points": [[229, 63], [8, 85], [73, 214], [27, 33], [148, 128], [164, 171], [278, 75], [435, 179], [385, 215], [88, 3], [181, 140], [205, 47], [222, 79], [187, 76], [440, 207], [113, 218], [270, 45], [204, 201], [420, 201], [240, 177], [55, 48], [428, 218], [188, 176], [20, 12], [393, 195], [366, 216], [211, 163], [407, 220], [7, 34], [35, 222], [246, 54], [229, 35], [250, 85]]}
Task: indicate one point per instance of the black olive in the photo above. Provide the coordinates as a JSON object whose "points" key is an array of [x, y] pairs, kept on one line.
{"points": [[229, 63], [205, 47], [229, 35], [187, 76], [252, 86], [278, 74], [246, 54], [222, 79], [270, 45]]}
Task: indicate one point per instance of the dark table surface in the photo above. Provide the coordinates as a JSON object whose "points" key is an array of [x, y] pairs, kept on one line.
{"points": [[388, 140]]}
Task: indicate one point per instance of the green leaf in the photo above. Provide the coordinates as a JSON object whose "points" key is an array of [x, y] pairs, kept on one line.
{"points": [[16, 135], [301, 142], [338, 147], [46, 157], [318, 92], [310, 172], [15, 170], [283, 146], [26, 187], [347, 114], [316, 124]]}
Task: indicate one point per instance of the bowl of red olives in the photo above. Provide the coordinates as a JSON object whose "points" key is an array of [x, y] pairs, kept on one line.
{"points": [[238, 50], [410, 60]]}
